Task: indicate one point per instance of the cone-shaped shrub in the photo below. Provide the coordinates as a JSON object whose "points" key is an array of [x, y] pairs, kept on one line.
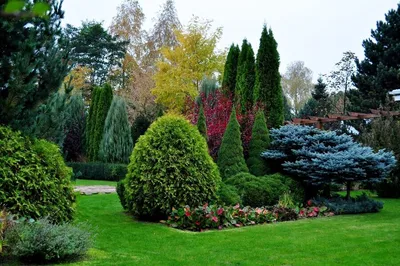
{"points": [[230, 155], [170, 167], [201, 123], [116, 145], [258, 144]]}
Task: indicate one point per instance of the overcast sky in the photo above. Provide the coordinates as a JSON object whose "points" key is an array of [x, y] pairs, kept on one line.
{"points": [[314, 31]]}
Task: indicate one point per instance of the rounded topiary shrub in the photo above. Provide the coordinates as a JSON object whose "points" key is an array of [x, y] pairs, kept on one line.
{"points": [[170, 167], [228, 195], [34, 180], [257, 191]]}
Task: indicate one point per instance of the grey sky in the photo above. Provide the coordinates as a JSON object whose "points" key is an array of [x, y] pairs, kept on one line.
{"points": [[314, 31]]}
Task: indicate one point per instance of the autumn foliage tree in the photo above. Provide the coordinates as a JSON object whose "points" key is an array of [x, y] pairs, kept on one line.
{"points": [[182, 69]]}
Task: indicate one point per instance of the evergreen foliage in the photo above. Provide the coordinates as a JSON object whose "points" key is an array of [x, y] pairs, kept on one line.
{"points": [[287, 109], [245, 78], [378, 72], [230, 155], [259, 143], [201, 123], [319, 104], [268, 90], [35, 182], [91, 121], [231, 68], [139, 127], [116, 145], [320, 158], [228, 195], [33, 63], [169, 168]]}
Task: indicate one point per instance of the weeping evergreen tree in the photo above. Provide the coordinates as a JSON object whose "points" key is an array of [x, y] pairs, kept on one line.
{"points": [[201, 123], [116, 145], [101, 104], [246, 76], [268, 90], [259, 143], [230, 155], [230, 70]]}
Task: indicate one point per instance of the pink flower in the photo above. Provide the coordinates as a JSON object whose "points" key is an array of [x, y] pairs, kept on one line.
{"points": [[309, 203], [220, 227], [301, 213], [215, 219], [237, 206], [258, 211], [316, 209], [220, 211]]}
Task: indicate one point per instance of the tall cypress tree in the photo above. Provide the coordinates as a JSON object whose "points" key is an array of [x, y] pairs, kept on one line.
{"points": [[91, 122], [268, 90], [245, 78], [230, 155], [201, 123], [230, 70], [259, 143], [116, 145]]}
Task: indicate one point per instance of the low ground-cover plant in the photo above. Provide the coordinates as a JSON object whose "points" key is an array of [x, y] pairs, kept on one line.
{"points": [[217, 217], [340, 205], [42, 241], [99, 170]]}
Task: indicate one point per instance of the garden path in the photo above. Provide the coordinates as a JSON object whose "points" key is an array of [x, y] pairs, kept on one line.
{"points": [[89, 190]]}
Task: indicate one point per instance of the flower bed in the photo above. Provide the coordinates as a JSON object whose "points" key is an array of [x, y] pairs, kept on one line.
{"points": [[216, 217]]}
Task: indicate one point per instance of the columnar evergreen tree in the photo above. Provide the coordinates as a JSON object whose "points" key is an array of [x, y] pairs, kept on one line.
{"points": [[201, 123], [378, 73], [139, 127], [116, 145], [245, 78], [91, 121], [258, 144], [101, 105], [230, 70], [268, 90], [230, 155]]}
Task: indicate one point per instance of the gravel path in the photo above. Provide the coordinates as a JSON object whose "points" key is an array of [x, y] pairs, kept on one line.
{"points": [[89, 190]]}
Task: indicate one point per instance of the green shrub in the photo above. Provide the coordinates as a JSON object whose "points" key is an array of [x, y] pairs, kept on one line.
{"points": [[230, 155], [34, 180], [170, 167], [228, 195], [295, 188], [43, 241], [201, 123], [99, 171], [340, 205], [121, 193], [257, 191]]}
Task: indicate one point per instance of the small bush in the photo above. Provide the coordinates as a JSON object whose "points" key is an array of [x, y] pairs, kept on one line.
{"points": [[34, 180], [170, 167], [120, 192], [228, 195], [43, 241], [340, 205], [257, 191], [99, 171]]}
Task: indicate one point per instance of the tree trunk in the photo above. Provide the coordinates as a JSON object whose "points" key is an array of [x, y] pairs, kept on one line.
{"points": [[348, 187]]}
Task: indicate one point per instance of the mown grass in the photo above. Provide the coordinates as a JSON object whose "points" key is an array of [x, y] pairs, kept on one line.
{"points": [[368, 239], [83, 182]]}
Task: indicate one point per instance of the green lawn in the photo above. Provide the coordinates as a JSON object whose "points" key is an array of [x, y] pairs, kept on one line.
{"points": [[369, 239], [83, 182]]}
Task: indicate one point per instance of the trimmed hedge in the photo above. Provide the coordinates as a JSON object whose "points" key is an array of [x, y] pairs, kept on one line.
{"points": [[99, 171]]}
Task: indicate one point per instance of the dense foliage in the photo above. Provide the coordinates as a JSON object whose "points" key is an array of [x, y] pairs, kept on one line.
{"points": [[230, 155], [35, 182], [169, 167], [116, 145], [99, 171], [319, 158], [319, 104], [201, 123], [245, 77], [228, 195], [377, 73], [268, 88], [42, 241], [230, 69], [259, 143]]}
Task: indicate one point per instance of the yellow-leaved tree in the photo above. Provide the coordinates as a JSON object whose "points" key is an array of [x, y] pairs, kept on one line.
{"points": [[182, 68]]}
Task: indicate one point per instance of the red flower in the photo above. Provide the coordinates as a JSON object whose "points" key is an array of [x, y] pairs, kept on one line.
{"points": [[215, 219], [301, 213], [309, 203], [188, 214], [220, 211], [197, 223], [316, 209]]}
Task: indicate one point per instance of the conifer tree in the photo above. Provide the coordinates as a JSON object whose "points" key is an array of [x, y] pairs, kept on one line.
{"points": [[139, 127], [245, 78], [258, 144], [74, 140], [201, 123], [116, 145], [268, 90], [91, 122], [230, 70], [230, 155]]}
